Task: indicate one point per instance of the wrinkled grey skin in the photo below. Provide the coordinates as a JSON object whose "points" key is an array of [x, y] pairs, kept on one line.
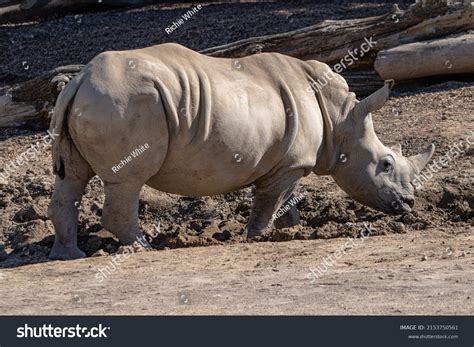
{"points": [[214, 126]]}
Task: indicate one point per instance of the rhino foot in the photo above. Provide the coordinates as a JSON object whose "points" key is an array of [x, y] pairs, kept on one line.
{"points": [[66, 253]]}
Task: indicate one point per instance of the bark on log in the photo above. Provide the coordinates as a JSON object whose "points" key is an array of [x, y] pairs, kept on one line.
{"points": [[436, 57]]}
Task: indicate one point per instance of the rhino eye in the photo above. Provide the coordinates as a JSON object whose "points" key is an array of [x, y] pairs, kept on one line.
{"points": [[387, 166]]}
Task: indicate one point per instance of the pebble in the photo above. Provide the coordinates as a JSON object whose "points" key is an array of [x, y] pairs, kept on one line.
{"points": [[3, 182], [99, 253], [398, 227]]}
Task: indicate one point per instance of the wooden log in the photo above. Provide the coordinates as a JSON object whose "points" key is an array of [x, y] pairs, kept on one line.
{"points": [[429, 58], [27, 104], [329, 41]]}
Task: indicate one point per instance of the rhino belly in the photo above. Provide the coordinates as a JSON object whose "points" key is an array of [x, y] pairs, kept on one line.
{"points": [[205, 172]]}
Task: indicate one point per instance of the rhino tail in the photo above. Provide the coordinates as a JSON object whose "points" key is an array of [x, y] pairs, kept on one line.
{"points": [[58, 126]]}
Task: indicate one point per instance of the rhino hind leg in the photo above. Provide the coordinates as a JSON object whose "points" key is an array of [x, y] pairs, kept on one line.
{"points": [[70, 182], [120, 212], [269, 196]]}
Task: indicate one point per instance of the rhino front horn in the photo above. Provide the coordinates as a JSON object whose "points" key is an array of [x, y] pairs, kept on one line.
{"points": [[374, 101], [419, 161]]}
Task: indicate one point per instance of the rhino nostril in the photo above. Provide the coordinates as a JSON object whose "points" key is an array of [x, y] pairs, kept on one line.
{"points": [[409, 201]]}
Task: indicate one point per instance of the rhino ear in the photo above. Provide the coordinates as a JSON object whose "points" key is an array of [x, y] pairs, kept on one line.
{"points": [[419, 161], [397, 149], [374, 101]]}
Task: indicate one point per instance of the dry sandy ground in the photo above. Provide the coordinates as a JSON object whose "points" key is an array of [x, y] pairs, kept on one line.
{"points": [[415, 273]]}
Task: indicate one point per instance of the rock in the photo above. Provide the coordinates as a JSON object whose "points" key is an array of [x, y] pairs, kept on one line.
{"points": [[99, 253], [36, 231], [96, 209], [232, 227], [3, 182], [27, 214], [211, 229], [222, 236], [36, 189], [198, 225], [93, 244], [103, 233], [409, 218], [282, 235], [38, 251], [450, 195], [243, 208], [461, 208], [418, 226], [303, 235], [398, 227]]}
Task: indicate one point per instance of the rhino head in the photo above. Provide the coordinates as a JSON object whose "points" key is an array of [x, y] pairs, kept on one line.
{"points": [[371, 173]]}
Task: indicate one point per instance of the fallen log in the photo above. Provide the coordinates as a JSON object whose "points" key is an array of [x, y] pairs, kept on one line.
{"points": [[330, 41], [451, 55], [28, 104]]}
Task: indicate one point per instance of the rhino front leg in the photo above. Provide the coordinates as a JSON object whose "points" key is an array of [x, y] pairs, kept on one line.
{"points": [[120, 212], [269, 196], [291, 217]]}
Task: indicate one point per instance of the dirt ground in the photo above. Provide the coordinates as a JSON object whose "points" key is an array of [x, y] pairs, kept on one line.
{"points": [[415, 273], [417, 263]]}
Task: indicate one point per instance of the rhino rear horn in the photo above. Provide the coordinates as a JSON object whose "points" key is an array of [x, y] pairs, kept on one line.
{"points": [[374, 101], [397, 149], [419, 161]]}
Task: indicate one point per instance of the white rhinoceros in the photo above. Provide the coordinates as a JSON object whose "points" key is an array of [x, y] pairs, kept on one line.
{"points": [[194, 125]]}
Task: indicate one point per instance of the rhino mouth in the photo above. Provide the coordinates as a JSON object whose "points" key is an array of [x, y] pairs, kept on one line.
{"points": [[402, 204]]}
